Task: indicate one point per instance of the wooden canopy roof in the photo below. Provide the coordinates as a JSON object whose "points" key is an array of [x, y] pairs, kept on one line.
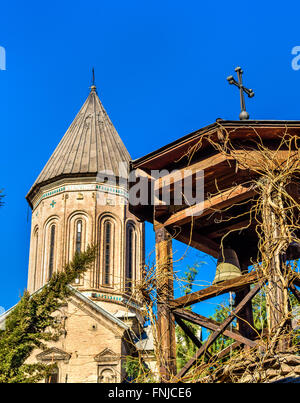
{"points": [[228, 192]]}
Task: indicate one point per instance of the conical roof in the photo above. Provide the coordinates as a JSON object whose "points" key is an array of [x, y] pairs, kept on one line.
{"points": [[91, 144]]}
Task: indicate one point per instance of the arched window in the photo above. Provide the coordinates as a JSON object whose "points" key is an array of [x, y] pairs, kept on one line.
{"points": [[36, 244], [106, 375], [130, 256], [51, 253], [78, 242], [107, 253]]}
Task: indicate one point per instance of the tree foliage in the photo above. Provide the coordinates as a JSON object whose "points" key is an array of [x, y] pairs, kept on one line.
{"points": [[137, 371], [31, 323]]}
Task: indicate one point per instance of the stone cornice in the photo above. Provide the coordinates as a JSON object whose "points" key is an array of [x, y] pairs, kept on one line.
{"points": [[53, 354], [110, 189]]}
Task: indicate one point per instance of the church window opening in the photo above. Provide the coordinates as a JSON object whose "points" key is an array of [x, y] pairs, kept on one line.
{"points": [[51, 254], [107, 252], [130, 260], [36, 243], [78, 236]]}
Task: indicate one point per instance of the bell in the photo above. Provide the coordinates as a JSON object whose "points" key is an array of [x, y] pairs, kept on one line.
{"points": [[293, 251], [228, 266]]}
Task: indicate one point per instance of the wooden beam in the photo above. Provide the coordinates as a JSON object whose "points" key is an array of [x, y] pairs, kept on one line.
{"points": [[245, 158], [179, 175], [255, 159], [270, 131], [215, 290], [165, 318], [296, 279], [199, 242], [188, 331], [228, 197], [190, 334], [212, 325], [230, 227], [213, 337], [228, 349], [213, 362], [295, 292], [245, 321]]}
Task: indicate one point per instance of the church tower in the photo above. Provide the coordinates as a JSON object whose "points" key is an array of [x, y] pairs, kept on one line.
{"points": [[79, 199]]}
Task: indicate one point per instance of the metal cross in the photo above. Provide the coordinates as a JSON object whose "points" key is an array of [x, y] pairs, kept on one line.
{"points": [[244, 115], [93, 78], [93, 87]]}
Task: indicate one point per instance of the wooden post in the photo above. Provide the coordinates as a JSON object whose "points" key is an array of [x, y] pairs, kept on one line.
{"points": [[274, 227], [165, 318], [278, 306], [245, 320]]}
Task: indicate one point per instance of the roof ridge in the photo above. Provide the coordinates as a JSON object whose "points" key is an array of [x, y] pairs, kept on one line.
{"points": [[98, 308], [81, 296]]}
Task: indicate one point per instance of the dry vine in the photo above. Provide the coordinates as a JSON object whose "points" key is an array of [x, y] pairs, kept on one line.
{"points": [[274, 175]]}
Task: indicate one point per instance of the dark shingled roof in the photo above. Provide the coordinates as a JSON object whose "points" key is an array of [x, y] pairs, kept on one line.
{"points": [[91, 144]]}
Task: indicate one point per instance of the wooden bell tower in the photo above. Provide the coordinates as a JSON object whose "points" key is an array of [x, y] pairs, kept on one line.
{"points": [[251, 198]]}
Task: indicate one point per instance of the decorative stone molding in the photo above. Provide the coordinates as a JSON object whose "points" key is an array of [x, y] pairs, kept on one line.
{"points": [[107, 189], [107, 356], [54, 354]]}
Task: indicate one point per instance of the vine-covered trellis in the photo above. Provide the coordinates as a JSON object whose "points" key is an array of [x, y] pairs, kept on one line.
{"points": [[251, 202]]}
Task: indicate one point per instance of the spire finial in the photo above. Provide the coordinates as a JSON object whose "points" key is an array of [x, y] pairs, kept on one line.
{"points": [[93, 87]]}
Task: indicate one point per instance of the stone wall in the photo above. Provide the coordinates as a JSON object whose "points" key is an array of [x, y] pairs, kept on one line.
{"points": [[62, 203], [91, 346]]}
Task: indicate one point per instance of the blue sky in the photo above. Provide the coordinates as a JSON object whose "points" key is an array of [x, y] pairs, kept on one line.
{"points": [[161, 69]]}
